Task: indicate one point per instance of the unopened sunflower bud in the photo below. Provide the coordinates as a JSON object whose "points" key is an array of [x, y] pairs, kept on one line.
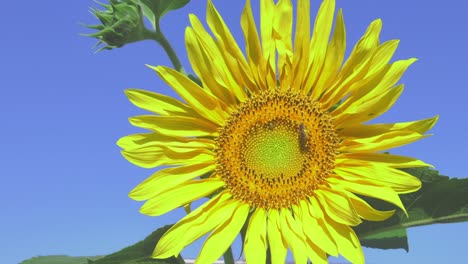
{"points": [[122, 23]]}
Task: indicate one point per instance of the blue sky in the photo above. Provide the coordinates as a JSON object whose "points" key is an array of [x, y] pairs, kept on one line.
{"points": [[64, 183]]}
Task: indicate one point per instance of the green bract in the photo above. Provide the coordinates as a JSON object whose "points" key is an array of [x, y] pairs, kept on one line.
{"points": [[121, 24]]}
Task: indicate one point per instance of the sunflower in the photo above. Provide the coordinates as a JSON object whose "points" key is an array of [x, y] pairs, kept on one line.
{"points": [[276, 138]]}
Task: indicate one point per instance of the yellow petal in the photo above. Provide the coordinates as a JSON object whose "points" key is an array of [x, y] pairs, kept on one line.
{"points": [[372, 87], [362, 130], [191, 227], [420, 126], [180, 195], [204, 66], [228, 72], [176, 125], [382, 56], [250, 77], [222, 32], [282, 26], [398, 180], [255, 244], [392, 77], [333, 58], [158, 103], [316, 232], [365, 110], [286, 75], [300, 62], [347, 242], [223, 236], [278, 247], [213, 220], [253, 49], [363, 188], [316, 255], [381, 142], [376, 73], [168, 178], [393, 161], [236, 59], [355, 67], [292, 232], [302, 35], [154, 156], [267, 13], [366, 211], [203, 102], [136, 141], [315, 209], [318, 45], [338, 206], [368, 42]]}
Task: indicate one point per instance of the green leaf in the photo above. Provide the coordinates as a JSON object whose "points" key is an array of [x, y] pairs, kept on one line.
{"points": [[154, 10], [139, 253], [387, 240], [147, 12], [440, 200], [58, 259]]}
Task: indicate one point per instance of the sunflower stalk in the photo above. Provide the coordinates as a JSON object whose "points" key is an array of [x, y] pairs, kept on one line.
{"points": [[159, 37], [228, 257]]}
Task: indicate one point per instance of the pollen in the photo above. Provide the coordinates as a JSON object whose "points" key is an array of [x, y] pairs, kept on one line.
{"points": [[276, 149]]}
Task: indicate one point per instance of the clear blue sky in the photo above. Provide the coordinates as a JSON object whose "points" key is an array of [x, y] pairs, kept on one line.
{"points": [[64, 183]]}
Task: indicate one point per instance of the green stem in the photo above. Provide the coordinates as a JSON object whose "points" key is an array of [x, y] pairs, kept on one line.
{"points": [[159, 37], [228, 257]]}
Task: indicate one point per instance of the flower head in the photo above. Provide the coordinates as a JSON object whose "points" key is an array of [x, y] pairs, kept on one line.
{"points": [[266, 139]]}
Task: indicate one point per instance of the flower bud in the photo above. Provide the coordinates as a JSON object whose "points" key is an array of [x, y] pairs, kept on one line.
{"points": [[121, 23]]}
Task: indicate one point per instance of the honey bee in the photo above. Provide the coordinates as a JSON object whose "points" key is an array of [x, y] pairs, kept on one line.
{"points": [[302, 137]]}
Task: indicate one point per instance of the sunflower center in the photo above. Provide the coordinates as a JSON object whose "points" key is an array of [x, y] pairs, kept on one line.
{"points": [[273, 151], [276, 149]]}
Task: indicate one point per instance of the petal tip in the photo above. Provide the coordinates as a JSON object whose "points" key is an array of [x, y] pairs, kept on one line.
{"points": [[129, 92], [159, 253], [133, 194], [120, 143], [147, 211], [152, 67]]}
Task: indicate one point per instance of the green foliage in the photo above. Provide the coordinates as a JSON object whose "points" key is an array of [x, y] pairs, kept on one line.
{"points": [[440, 200], [140, 252], [60, 259], [154, 10]]}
